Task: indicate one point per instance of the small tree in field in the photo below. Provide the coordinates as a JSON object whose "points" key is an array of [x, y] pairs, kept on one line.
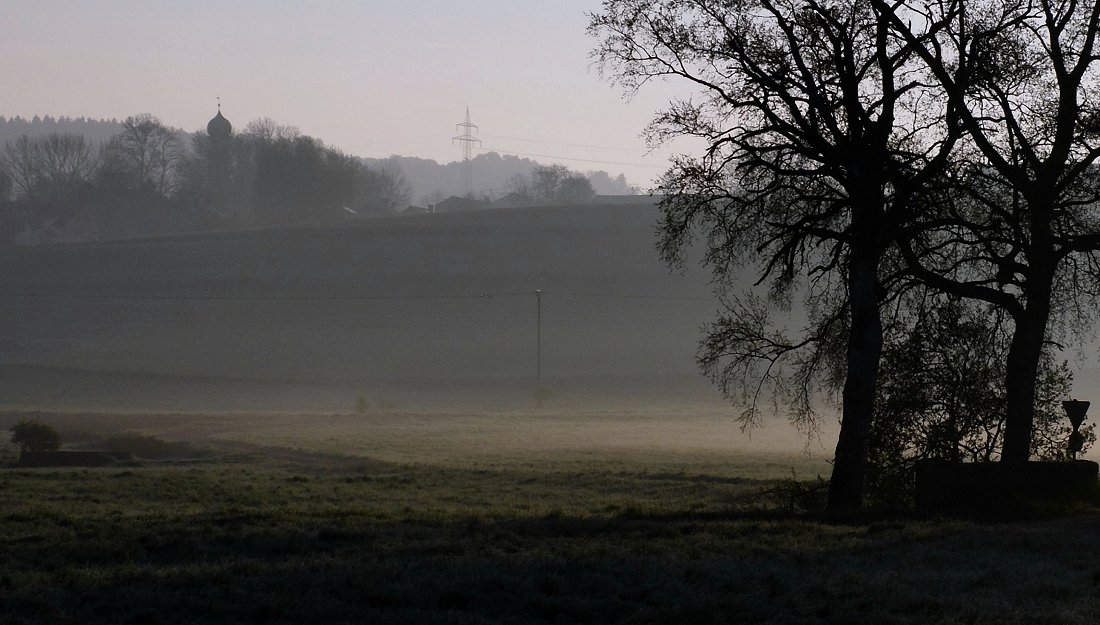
{"points": [[35, 436]]}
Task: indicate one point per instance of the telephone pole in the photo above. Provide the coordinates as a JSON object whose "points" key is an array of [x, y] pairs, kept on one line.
{"points": [[467, 137], [538, 347]]}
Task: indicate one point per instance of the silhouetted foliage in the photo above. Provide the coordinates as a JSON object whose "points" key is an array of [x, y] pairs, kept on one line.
{"points": [[145, 154], [1021, 229], [818, 132], [145, 181], [34, 435], [272, 174], [941, 395], [51, 168], [6, 185], [50, 176], [835, 131], [552, 185]]}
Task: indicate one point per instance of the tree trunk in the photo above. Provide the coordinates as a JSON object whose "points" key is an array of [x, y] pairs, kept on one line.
{"points": [[1021, 371], [864, 349]]}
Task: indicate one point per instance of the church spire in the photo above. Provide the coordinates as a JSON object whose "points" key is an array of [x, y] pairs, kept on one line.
{"points": [[219, 127]]}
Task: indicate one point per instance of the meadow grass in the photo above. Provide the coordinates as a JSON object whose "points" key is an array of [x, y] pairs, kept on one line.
{"points": [[334, 519]]}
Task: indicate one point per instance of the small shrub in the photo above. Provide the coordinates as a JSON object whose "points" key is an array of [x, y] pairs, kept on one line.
{"points": [[35, 436], [793, 496]]}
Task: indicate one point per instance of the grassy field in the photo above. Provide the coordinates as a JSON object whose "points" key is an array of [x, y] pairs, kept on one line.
{"points": [[381, 303], [510, 517]]}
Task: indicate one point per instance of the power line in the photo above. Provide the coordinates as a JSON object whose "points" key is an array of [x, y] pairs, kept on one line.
{"points": [[468, 138], [342, 298], [256, 298]]}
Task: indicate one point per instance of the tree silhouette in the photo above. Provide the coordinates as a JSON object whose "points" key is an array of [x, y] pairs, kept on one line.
{"points": [[35, 436], [1023, 230], [819, 137], [146, 153], [941, 394]]}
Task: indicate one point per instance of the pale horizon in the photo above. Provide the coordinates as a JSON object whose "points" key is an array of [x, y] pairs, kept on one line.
{"points": [[372, 80]]}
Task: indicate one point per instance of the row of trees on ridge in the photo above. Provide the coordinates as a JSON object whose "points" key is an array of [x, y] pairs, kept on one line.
{"points": [[150, 179]]}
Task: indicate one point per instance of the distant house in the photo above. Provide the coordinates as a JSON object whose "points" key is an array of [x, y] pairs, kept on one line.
{"points": [[455, 204], [512, 200], [416, 210]]}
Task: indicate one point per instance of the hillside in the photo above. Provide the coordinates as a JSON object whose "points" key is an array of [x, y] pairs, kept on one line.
{"points": [[434, 306]]}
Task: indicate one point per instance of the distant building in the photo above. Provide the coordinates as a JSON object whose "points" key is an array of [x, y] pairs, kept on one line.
{"points": [[512, 200], [218, 128], [219, 165], [455, 204]]}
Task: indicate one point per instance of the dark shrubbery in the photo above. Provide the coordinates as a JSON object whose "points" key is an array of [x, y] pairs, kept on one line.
{"points": [[941, 397], [34, 435]]}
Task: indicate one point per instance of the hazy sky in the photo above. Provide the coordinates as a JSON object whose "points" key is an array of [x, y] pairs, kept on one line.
{"points": [[372, 77]]}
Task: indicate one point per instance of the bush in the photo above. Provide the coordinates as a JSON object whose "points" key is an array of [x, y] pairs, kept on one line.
{"points": [[941, 397], [35, 436]]}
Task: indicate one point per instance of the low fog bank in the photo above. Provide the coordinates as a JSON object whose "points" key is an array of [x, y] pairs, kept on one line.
{"points": [[670, 420], [35, 387], [432, 313]]}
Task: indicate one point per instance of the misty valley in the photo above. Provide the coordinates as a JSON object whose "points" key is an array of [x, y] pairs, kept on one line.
{"points": [[793, 320], [343, 424]]}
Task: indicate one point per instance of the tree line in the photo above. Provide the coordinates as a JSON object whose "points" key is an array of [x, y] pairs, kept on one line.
{"points": [[149, 179], [96, 130], [914, 176], [494, 176]]}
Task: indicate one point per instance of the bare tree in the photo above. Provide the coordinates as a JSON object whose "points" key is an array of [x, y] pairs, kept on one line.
{"points": [[1024, 230], [64, 163], [552, 184], [819, 139], [147, 153], [391, 183], [5, 183], [267, 129], [21, 160]]}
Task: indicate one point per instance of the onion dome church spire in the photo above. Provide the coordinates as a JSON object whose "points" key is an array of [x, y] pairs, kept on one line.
{"points": [[219, 127]]}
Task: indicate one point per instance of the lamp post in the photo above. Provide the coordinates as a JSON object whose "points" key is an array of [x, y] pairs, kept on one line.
{"points": [[1075, 410], [538, 347]]}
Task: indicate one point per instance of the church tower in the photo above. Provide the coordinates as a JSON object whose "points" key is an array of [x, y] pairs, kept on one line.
{"points": [[219, 129], [219, 162]]}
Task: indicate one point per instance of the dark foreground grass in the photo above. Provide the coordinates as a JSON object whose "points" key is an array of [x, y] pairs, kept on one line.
{"points": [[248, 539]]}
